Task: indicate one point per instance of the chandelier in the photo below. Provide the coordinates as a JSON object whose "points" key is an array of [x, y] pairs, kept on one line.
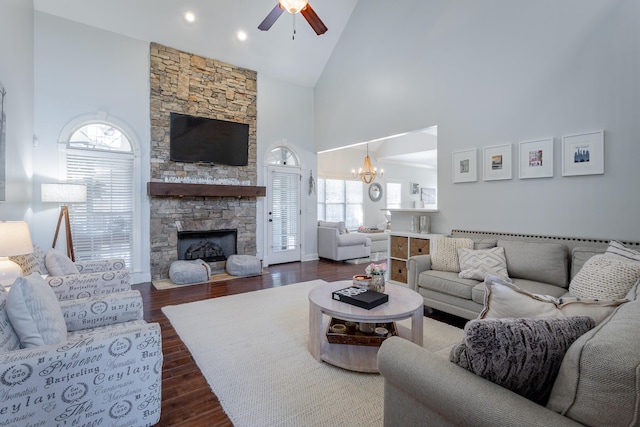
{"points": [[367, 173]]}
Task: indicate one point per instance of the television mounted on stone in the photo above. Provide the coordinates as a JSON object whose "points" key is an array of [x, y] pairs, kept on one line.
{"points": [[203, 140]]}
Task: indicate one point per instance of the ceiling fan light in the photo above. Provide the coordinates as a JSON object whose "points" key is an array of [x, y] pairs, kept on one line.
{"points": [[293, 6]]}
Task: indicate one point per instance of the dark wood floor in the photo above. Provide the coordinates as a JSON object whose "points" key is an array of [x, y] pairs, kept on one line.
{"points": [[187, 399]]}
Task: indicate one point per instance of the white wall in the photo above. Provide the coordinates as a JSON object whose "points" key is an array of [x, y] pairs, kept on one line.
{"points": [[498, 72], [285, 118], [16, 75], [80, 71]]}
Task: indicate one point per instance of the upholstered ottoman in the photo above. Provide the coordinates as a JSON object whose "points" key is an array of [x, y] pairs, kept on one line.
{"points": [[243, 265], [188, 272]]}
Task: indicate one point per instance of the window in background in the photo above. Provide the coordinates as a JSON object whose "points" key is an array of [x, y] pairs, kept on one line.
{"points": [[101, 156], [394, 195], [341, 200]]}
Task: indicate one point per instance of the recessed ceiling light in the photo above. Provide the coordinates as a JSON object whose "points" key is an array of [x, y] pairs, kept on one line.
{"points": [[242, 36], [189, 16]]}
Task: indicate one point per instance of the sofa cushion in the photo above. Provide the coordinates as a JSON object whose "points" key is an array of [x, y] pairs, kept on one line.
{"points": [[504, 299], [477, 264], [31, 263], [580, 255], [598, 381], [58, 264], [446, 282], [484, 243], [522, 355], [9, 340], [543, 262], [445, 253], [605, 277], [35, 313]]}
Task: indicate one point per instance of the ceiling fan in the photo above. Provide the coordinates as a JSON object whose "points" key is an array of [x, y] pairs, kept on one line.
{"points": [[293, 7]]}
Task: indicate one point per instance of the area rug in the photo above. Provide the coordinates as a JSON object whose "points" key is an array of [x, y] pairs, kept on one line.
{"points": [[374, 257], [161, 284], [252, 349]]}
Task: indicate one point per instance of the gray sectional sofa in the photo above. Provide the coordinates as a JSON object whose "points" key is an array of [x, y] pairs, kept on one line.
{"points": [[538, 264], [595, 380], [335, 242]]}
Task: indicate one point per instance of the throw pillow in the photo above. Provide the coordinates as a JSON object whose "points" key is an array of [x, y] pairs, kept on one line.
{"points": [[522, 355], [477, 264], [35, 313], [504, 299], [605, 277], [31, 263], [445, 253], [59, 264], [620, 251], [9, 340]]}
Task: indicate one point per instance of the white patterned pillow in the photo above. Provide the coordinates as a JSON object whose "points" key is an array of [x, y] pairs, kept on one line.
{"points": [[504, 299], [445, 253], [477, 264], [35, 313], [620, 251], [9, 340], [605, 277], [31, 263], [59, 264]]}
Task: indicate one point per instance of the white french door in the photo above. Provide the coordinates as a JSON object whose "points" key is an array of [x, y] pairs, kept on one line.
{"points": [[283, 215]]}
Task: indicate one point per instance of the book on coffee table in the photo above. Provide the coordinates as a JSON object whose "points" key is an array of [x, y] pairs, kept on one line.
{"points": [[359, 297]]}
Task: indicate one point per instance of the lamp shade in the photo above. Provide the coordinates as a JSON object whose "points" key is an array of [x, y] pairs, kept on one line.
{"points": [[63, 193], [15, 238]]}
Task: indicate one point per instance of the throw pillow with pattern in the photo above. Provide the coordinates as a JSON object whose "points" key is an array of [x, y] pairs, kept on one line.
{"points": [[479, 263]]}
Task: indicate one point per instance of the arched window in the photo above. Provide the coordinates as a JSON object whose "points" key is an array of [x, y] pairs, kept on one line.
{"points": [[101, 156], [282, 156]]}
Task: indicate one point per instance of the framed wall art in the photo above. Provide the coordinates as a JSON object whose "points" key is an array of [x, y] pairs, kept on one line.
{"points": [[535, 159], [497, 162], [465, 168], [583, 154]]}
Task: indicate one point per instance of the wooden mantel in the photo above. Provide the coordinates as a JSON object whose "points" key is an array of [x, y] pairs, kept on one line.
{"points": [[174, 189]]}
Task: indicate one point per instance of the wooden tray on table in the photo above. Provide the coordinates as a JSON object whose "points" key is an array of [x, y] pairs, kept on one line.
{"points": [[358, 337]]}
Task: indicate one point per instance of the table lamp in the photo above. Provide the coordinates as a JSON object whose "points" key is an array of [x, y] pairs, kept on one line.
{"points": [[64, 193], [15, 240]]}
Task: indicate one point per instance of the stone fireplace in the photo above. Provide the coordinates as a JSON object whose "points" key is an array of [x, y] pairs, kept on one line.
{"points": [[209, 246], [185, 83]]}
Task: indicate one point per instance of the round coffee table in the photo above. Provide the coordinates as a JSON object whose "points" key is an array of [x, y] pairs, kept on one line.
{"points": [[403, 303]]}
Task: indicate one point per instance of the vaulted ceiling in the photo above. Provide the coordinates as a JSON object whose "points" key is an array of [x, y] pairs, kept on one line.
{"points": [[213, 34]]}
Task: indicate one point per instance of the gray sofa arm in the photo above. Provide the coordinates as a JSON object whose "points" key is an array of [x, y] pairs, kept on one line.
{"points": [[328, 242], [416, 265], [103, 310], [422, 389]]}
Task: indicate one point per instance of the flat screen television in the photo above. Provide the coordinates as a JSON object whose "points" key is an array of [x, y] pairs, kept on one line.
{"points": [[202, 140]]}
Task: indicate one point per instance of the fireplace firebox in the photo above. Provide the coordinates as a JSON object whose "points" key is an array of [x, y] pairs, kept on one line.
{"points": [[209, 246]]}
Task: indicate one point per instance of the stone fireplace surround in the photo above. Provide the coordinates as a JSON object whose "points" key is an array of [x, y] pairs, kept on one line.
{"points": [[189, 84]]}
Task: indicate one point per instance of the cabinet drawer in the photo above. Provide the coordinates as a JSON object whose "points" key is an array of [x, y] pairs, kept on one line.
{"points": [[399, 270], [419, 247], [399, 247]]}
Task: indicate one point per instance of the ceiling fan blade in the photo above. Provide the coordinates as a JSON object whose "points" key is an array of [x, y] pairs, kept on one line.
{"points": [[271, 18], [313, 20]]}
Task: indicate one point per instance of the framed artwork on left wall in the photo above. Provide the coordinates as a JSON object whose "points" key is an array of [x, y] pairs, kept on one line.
{"points": [[3, 143], [464, 166]]}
